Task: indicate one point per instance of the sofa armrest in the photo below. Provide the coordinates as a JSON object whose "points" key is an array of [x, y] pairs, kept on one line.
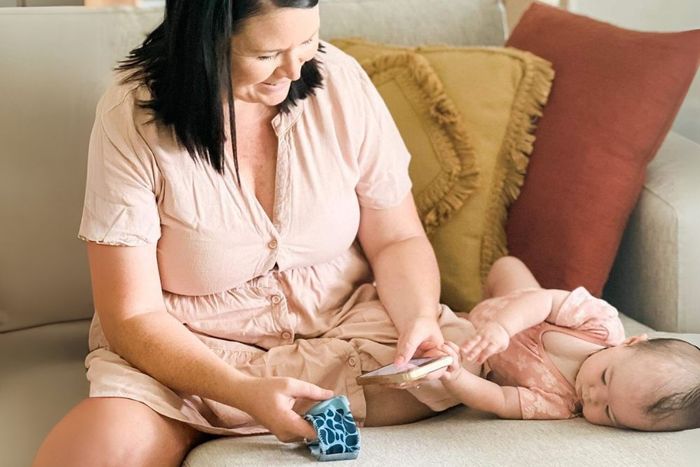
{"points": [[655, 275]]}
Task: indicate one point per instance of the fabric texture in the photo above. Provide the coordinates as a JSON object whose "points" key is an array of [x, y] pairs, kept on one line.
{"points": [[615, 97], [290, 295], [467, 116], [654, 278], [544, 392], [463, 436], [338, 435], [411, 22], [444, 174], [142, 187]]}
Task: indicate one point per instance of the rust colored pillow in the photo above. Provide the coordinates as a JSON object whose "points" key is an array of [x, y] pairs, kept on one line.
{"points": [[615, 97]]}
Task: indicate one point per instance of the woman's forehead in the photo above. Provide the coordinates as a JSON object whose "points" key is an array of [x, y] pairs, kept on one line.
{"points": [[278, 29]]}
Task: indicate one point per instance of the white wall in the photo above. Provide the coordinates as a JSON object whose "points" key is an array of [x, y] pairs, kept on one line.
{"points": [[654, 15]]}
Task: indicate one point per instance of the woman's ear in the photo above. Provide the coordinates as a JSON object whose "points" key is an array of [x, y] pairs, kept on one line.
{"points": [[635, 339]]}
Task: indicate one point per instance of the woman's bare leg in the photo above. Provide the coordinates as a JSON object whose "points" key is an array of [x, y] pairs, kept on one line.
{"points": [[506, 275], [387, 406], [116, 431]]}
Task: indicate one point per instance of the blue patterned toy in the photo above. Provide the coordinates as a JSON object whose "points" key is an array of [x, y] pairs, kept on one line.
{"points": [[338, 436]]}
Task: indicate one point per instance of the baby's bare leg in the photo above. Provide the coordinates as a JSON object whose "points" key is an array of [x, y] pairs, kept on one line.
{"points": [[506, 275]]}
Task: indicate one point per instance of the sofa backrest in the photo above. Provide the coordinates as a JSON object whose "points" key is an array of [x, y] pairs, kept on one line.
{"points": [[54, 65]]}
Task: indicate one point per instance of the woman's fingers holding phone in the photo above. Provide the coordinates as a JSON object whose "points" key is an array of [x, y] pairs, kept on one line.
{"points": [[406, 384]]}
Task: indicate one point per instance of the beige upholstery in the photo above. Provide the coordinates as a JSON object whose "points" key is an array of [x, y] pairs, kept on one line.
{"points": [[658, 266], [55, 62], [461, 437]]}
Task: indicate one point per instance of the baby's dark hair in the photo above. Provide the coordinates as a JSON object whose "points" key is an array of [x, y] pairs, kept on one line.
{"points": [[679, 408]]}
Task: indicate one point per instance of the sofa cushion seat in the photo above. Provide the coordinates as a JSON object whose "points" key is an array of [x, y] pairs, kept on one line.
{"points": [[42, 377], [461, 436]]}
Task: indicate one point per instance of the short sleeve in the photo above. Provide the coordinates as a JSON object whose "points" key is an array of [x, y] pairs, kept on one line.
{"points": [[536, 404], [383, 159], [590, 315], [120, 206]]}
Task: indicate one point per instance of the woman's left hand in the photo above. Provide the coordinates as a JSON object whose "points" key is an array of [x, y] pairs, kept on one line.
{"points": [[420, 335]]}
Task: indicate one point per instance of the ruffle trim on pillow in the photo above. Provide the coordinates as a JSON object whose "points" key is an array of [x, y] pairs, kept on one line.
{"points": [[459, 175], [530, 99]]}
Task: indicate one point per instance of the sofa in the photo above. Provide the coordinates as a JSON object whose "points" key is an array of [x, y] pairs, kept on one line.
{"points": [[54, 64]]}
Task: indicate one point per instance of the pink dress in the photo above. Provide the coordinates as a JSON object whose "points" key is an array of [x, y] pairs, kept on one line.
{"points": [[543, 390], [292, 295]]}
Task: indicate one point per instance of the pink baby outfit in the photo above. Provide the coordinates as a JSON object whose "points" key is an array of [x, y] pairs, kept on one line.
{"points": [[543, 390], [287, 296]]}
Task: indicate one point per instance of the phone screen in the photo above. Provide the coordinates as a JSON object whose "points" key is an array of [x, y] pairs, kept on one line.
{"points": [[393, 369]]}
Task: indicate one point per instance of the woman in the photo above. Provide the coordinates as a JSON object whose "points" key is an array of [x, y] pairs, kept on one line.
{"points": [[239, 279]]}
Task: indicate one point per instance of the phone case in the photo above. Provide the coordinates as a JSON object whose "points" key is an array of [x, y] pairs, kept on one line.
{"points": [[406, 376]]}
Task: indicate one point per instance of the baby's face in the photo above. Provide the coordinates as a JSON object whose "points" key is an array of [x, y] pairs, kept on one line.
{"points": [[616, 385]]}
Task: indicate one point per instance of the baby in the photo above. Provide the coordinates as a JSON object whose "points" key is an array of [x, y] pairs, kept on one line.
{"points": [[553, 354]]}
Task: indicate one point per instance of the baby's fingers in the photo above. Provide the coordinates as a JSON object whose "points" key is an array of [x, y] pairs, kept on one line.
{"points": [[449, 348], [481, 358], [469, 345], [490, 350], [477, 349]]}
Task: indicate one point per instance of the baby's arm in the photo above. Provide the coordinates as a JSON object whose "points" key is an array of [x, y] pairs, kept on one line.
{"points": [[479, 393], [528, 309]]}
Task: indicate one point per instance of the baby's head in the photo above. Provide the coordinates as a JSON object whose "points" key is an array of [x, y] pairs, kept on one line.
{"points": [[649, 385]]}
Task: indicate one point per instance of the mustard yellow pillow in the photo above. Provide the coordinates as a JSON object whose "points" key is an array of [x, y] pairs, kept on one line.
{"points": [[467, 115], [443, 174]]}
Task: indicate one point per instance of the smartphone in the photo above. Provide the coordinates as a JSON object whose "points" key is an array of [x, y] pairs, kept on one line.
{"points": [[414, 369]]}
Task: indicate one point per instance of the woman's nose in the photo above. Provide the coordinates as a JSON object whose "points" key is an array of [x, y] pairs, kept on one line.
{"points": [[291, 67]]}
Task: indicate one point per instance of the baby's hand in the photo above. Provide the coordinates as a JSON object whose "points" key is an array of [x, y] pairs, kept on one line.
{"points": [[451, 349], [491, 338]]}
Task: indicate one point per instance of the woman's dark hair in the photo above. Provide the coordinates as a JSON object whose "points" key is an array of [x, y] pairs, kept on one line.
{"points": [[186, 64], [682, 403]]}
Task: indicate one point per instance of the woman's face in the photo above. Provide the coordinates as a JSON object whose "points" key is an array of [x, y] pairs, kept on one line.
{"points": [[268, 52]]}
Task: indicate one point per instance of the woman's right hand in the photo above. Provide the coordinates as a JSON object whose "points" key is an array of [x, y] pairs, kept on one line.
{"points": [[270, 402]]}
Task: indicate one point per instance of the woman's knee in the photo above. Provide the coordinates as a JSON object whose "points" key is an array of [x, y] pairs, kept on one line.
{"points": [[387, 406], [115, 431]]}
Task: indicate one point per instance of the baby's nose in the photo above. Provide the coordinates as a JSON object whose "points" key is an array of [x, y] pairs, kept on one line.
{"points": [[597, 395]]}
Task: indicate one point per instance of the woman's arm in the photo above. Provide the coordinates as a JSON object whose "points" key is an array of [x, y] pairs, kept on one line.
{"points": [[406, 273], [128, 299]]}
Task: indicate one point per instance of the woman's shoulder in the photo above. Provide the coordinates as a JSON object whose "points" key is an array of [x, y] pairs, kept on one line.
{"points": [[337, 66], [334, 57], [122, 99]]}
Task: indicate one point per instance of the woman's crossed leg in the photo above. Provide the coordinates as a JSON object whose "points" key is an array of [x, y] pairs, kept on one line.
{"points": [[105, 431]]}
